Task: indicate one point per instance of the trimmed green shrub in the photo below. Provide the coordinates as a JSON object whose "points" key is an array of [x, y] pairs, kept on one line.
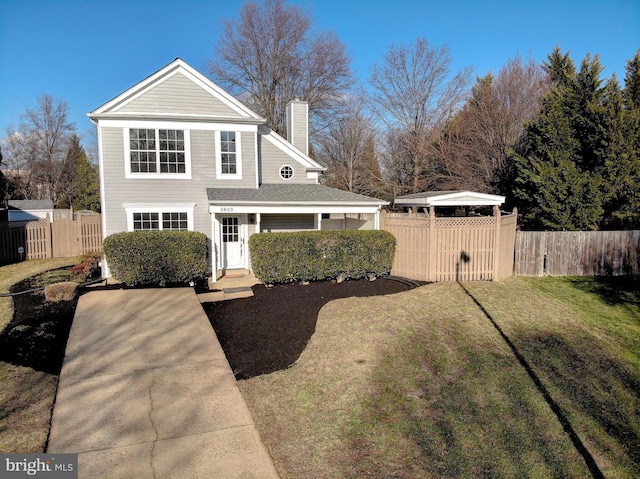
{"points": [[157, 257], [321, 255]]}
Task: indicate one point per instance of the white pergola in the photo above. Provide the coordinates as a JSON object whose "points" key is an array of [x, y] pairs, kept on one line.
{"points": [[448, 198]]}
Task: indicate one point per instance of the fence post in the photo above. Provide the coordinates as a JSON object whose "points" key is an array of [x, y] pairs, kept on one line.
{"points": [[496, 245], [48, 239], [431, 275], [79, 250]]}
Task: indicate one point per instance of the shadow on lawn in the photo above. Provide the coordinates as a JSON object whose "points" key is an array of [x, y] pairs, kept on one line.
{"points": [[455, 405], [587, 382], [444, 398], [541, 387], [616, 290]]}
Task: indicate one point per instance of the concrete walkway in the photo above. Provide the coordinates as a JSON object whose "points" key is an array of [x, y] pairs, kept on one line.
{"points": [[146, 391]]}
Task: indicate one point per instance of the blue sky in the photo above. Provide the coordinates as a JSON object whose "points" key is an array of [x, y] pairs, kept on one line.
{"points": [[87, 52]]}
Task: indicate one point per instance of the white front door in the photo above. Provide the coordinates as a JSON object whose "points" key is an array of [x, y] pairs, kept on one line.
{"points": [[232, 243]]}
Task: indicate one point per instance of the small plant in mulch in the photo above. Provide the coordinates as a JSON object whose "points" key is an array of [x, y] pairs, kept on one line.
{"points": [[65, 291], [88, 267], [37, 335]]}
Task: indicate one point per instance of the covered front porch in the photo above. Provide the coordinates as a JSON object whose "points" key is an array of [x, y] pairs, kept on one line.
{"points": [[236, 214]]}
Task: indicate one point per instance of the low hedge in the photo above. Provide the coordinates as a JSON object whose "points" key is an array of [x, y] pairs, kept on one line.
{"points": [[157, 257], [321, 255]]}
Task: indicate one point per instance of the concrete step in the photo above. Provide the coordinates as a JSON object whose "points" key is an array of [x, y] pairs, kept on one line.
{"points": [[226, 294]]}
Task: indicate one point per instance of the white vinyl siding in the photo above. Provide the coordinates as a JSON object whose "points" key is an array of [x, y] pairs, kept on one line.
{"points": [[298, 125], [281, 223], [348, 221], [179, 95], [273, 159]]}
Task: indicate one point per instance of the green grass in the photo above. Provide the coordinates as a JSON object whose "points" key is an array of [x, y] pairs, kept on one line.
{"points": [[422, 384]]}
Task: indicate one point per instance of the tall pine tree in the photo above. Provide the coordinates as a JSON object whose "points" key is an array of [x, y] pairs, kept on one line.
{"points": [[624, 160], [577, 168]]}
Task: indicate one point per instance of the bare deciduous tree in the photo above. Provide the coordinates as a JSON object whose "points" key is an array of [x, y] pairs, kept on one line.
{"points": [[413, 94], [347, 149], [472, 150], [36, 153], [269, 57]]}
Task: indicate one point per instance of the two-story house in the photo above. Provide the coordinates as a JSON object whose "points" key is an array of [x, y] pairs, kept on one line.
{"points": [[179, 153]]}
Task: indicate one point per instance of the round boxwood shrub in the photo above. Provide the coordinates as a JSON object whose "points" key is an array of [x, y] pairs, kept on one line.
{"points": [[157, 257]]}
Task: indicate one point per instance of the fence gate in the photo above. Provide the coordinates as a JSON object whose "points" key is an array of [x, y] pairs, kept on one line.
{"points": [[431, 248], [65, 239]]}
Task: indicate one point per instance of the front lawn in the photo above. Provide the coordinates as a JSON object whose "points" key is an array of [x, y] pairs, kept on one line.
{"points": [[423, 384]]}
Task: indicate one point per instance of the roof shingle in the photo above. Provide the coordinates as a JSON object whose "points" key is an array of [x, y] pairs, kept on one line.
{"points": [[289, 194]]}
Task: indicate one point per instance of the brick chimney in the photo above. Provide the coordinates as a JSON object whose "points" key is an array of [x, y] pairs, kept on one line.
{"points": [[298, 124]]}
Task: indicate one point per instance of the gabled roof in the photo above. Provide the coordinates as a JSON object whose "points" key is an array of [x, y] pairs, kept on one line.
{"points": [[115, 107], [30, 205], [290, 194], [449, 198], [282, 144]]}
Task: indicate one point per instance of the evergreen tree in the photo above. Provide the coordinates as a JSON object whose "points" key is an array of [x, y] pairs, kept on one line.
{"points": [[632, 83], [87, 186], [558, 182], [551, 191], [624, 159], [66, 188], [578, 167], [560, 68]]}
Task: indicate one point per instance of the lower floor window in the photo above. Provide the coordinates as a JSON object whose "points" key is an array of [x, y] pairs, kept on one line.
{"points": [[145, 222], [174, 221], [151, 221]]}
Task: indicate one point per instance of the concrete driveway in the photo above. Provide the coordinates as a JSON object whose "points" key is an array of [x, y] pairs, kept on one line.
{"points": [[146, 391]]}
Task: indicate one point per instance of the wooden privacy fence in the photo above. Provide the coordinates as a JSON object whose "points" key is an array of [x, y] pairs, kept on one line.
{"points": [[577, 253], [42, 239], [430, 248]]}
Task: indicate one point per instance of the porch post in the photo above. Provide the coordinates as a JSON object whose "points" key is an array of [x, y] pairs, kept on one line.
{"points": [[214, 253]]}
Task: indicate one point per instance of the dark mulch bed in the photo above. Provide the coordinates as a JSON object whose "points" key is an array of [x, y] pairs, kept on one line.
{"points": [[37, 335], [269, 331], [259, 335]]}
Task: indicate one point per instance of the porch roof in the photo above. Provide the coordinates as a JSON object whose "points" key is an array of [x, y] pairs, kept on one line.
{"points": [[290, 195]]}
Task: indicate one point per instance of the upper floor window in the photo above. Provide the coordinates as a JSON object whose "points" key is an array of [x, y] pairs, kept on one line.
{"points": [[228, 155], [286, 172], [228, 152], [158, 152]]}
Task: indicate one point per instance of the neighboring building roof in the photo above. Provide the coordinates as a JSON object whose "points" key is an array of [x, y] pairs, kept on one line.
{"points": [[449, 198], [30, 205], [289, 194]]}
